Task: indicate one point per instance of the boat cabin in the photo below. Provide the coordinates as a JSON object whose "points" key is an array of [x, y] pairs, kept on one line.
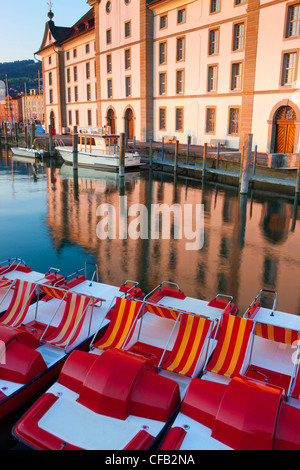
{"points": [[90, 142]]}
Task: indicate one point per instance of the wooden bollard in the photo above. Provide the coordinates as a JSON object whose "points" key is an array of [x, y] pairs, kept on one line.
{"points": [[5, 133], [26, 136], [246, 166], [297, 190], [122, 155], [255, 160], [176, 156], [188, 149], [162, 148], [50, 141], [32, 133], [150, 152], [218, 155], [204, 160], [17, 133], [75, 148]]}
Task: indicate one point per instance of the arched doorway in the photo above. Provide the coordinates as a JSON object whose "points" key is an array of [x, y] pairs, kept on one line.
{"points": [[285, 130], [111, 120], [129, 123]]}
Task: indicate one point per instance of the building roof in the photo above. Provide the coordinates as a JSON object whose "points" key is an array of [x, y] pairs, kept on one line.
{"points": [[62, 33]]}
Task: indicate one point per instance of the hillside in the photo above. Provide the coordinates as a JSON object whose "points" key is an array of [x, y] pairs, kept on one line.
{"points": [[19, 72]]}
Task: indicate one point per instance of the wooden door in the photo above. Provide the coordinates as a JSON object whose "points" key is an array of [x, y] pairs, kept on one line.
{"points": [[286, 129]]}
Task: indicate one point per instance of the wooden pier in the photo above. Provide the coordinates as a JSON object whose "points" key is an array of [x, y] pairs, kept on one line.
{"points": [[245, 174]]}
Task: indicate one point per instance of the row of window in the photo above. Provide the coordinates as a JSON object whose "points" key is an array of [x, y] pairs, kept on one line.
{"points": [[127, 61], [75, 94], [75, 72], [212, 79], [128, 88], [288, 75], [210, 120], [215, 6], [127, 32], [76, 120], [213, 49], [74, 53]]}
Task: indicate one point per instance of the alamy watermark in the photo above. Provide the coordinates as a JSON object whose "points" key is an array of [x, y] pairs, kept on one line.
{"points": [[163, 221]]}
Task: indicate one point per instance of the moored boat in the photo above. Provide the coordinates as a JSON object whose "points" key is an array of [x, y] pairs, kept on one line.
{"points": [[16, 268], [99, 151], [28, 153], [248, 397], [37, 338], [131, 382]]}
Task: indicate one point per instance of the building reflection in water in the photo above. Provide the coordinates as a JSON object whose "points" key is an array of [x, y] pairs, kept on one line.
{"points": [[249, 243]]}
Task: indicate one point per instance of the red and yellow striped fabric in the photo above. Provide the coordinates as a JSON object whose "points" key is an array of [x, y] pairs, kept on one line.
{"points": [[276, 333], [163, 312], [53, 292], [124, 316], [189, 343], [5, 283], [229, 354], [72, 321], [18, 307]]}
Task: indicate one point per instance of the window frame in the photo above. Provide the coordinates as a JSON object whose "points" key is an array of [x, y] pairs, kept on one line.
{"points": [[179, 108], [237, 108], [207, 109], [164, 109], [285, 53]]}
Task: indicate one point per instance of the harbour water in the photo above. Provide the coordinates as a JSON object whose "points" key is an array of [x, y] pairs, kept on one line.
{"points": [[50, 219]]}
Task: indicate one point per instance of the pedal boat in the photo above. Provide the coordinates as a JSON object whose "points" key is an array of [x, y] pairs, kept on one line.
{"points": [[248, 397], [128, 388], [15, 268], [36, 339]]}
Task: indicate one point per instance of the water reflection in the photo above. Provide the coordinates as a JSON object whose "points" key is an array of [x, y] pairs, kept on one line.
{"points": [[249, 243]]}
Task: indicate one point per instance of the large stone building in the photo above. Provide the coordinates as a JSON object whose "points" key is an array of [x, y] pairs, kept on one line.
{"points": [[33, 106], [210, 69]]}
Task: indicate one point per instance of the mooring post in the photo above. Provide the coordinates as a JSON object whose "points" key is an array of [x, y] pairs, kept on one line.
{"points": [[26, 136], [246, 166], [50, 141], [75, 148], [150, 152], [32, 133], [255, 159], [5, 133], [162, 148], [0, 136], [297, 191], [204, 160], [176, 156], [17, 133], [218, 155], [122, 155], [188, 149]]}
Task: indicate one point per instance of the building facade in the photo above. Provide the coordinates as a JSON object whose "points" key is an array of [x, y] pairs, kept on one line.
{"points": [[33, 106], [11, 110], [210, 69], [69, 74]]}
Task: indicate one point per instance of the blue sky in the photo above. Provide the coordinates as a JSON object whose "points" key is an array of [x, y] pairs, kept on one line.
{"points": [[22, 24]]}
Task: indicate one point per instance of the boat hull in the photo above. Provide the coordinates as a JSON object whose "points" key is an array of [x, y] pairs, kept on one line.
{"points": [[23, 152], [98, 159]]}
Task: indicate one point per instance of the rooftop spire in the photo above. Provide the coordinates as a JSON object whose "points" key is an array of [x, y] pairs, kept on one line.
{"points": [[50, 13]]}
